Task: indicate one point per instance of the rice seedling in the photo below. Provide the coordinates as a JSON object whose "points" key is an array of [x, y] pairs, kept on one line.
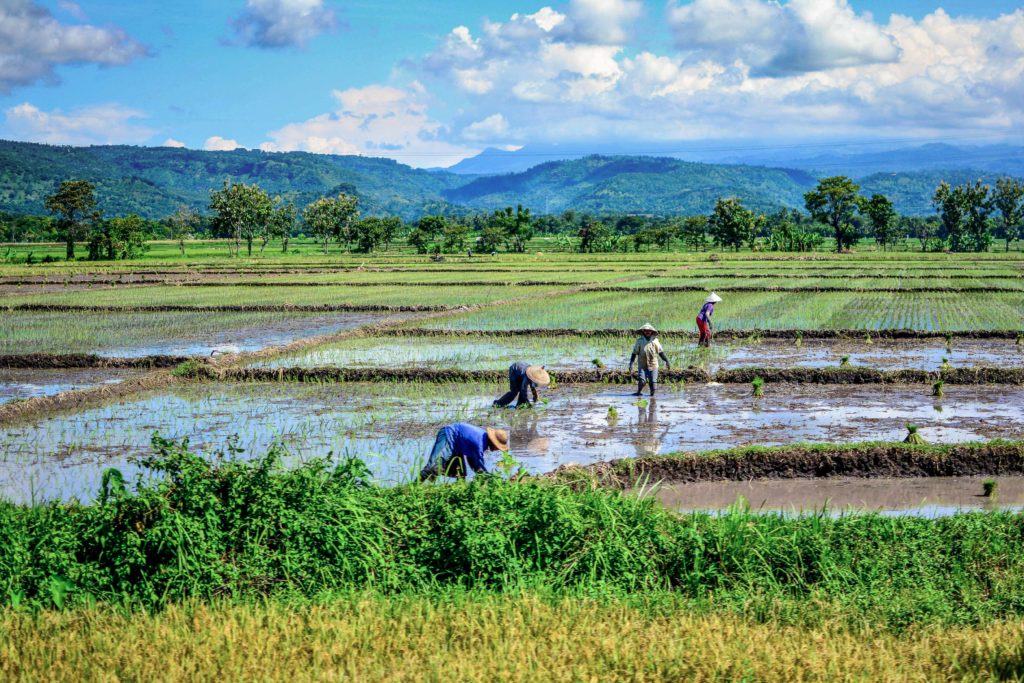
{"points": [[913, 437], [990, 489], [597, 363], [758, 387], [799, 340], [642, 403], [937, 391], [844, 361], [613, 414], [945, 365], [868, 340]]}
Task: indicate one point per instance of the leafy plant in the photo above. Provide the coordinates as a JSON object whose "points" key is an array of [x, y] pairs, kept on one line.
{"points": [[937, 389], [912, 436], [758, 387]]}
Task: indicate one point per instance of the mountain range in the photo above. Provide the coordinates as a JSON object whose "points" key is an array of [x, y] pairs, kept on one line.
{"points": [[154, 181]]}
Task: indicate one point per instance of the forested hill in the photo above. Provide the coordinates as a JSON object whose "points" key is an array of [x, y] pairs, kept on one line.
{"points": [[154, 181], [629, 184]]}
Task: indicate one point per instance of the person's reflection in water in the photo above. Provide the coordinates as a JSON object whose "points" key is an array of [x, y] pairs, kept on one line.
{"points": [[648, 432], [526, 431]]}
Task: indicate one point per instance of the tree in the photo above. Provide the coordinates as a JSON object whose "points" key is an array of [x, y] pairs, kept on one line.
{"points": [[694, 232], [517, 227], [183, 223], [117, 238], [241, 211], [373, 231], [949, 203], [833, 202], [454, 236], [731, 224], [978, 206], [428, 229], [281, 224], [74, 202], [883, 217], [331, 217], [593, 235], [964, 211], [1008, 199]]}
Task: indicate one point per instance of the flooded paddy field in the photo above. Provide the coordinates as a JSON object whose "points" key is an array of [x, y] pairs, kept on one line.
{"points": [[917, 496], [180, 333], [21, 384], [496, 351], [928, 311], [392, 426]]}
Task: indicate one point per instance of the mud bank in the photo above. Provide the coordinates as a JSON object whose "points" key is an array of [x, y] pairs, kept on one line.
{"points": [[802, 462], [723, 335], [88, 360], [798, 289], [242, 308], [733, 376]]}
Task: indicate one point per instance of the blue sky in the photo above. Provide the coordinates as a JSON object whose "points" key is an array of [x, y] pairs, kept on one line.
{"points": [[429, 83]]}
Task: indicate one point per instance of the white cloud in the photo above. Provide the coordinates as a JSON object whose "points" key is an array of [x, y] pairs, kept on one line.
{"points": [[282, 23], [775, 39], [171, 142], [604, 22], [103, 124], [490, 128], [33, 43], [377, 120], [72, 8], [216, 143]]}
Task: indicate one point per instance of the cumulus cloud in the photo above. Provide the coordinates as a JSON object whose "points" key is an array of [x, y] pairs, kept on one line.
{"points": [[282, 23], [216, 143], [377, 120], [33, 43], [103, 124], [490, 128], [776, 40], [171, 142], [754, 68]]}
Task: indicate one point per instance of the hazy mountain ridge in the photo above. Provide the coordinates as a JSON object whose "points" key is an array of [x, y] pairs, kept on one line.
{"points": [[154, 181]]}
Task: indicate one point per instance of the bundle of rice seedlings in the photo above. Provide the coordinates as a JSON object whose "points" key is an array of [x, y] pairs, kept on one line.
{"points": [[844, 362], [937, 389], [758, 385], [912, 436], [598, 363], [945, 364], [799, 338], [613, 414], [990, 489]]}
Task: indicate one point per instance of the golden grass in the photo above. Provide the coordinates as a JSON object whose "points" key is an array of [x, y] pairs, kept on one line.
{"points": [[484, 639]]}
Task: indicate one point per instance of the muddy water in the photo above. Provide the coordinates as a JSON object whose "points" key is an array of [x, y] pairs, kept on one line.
{"points": [[392, 426], [238, 339], [574, 353], [926, 497], [22, 384]]}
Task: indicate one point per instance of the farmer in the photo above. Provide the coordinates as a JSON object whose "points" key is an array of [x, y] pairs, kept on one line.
{"points": [[523, 377], [704, 319], [460, 447], [646, 352]]}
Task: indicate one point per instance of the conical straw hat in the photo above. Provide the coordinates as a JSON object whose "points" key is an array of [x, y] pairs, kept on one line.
{"points": [[712, 298], [498, 437], [538, 374], [647, 328]]}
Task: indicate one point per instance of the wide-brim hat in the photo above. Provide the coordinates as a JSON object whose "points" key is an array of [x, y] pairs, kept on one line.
{"points": [[647, 328], [712, 298], [498, 437], [539, 375]]}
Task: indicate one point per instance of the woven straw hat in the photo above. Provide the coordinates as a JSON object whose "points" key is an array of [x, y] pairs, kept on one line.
{"points": [[498, 437], [712, 298], [538, 374], [647, 328]]}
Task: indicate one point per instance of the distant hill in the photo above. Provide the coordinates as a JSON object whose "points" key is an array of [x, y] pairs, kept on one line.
{"points": [[154, 181], [634, 185]]}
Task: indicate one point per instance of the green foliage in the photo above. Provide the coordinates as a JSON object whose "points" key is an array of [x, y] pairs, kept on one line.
{"points": [[331, 218], [964, 212], [883, 219], [195, 529], [515, 227], [594, 235], [1008, 199], [428, 230], [117, 238], [241, 212], [733, 225], [834, 202], [183, 223], [74, 202], [373, 232]]}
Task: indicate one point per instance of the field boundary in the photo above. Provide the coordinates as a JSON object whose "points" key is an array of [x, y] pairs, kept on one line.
{"points": [[242, 308], [801, 461], [753, 335], [89, 360], [668, 289]]}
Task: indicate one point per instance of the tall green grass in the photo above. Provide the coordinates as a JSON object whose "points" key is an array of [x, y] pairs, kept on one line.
{"points": [[199, 528]]}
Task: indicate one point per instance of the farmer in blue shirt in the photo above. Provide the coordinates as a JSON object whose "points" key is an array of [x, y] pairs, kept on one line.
{"points": [[523, 377], [460, 447], [704, 319]]}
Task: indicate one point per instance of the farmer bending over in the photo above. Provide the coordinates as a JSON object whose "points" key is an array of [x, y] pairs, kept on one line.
{"points": [[460, 447], [704, 319], [646, 352], [523, 377]]}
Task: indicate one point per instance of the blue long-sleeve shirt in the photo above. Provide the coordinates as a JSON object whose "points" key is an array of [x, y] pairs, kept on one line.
{"points": [[470, 442], [705, 312]]}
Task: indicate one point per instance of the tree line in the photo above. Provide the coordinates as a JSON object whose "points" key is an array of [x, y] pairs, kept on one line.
{"points": [[968, 217]]}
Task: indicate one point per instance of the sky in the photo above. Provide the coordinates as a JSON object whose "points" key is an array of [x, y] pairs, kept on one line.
{"points": [[430, 83]]}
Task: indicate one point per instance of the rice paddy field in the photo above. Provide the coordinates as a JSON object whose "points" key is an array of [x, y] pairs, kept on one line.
{"points": [[183, 460]]}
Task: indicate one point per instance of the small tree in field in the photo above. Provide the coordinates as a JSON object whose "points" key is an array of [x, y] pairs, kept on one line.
{"points": [[241, 211], [74, 202], [331, 218], [833, 202], [1008, 199], [883, 219], [517, 227], [732, 225], [280, 225], [694, 232], [427, 231], [183, 223]]}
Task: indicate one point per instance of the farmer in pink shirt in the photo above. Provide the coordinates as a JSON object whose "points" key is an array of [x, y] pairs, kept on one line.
{"points": [[704, 319]]}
